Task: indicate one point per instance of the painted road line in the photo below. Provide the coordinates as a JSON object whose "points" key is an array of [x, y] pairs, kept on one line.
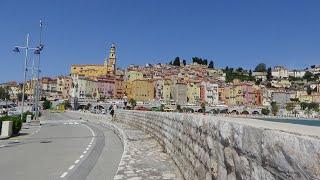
{"points": [[71, 167], [84, 152], [2, 146], [89, 129], [77, 161], [89, 145], [87, 149], [81, 156], [64, 175]]}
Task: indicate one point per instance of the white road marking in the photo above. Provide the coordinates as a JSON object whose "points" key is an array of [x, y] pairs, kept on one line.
{"points": [[64, 174], [89, 129], [71, 167], [84, 152], [65, 123], [2, 146]]}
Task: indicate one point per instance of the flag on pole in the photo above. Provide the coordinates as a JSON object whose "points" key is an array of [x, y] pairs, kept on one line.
{"points": [[40, 23]]}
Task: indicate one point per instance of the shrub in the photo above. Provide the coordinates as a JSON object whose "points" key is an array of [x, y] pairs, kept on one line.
{"points": [[16, 123], [24, 116], [265, 111], [46, 104]]}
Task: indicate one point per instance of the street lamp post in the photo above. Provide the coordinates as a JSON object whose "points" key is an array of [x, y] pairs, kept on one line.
{"points": [[26, 48], [37, 91]]}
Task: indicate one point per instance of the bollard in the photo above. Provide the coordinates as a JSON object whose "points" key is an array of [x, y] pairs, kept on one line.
{"points": [[28, 120], [6, 130]]}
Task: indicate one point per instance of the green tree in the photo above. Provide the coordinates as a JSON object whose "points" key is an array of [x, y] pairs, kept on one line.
{"points": [[290, 106], [46, 104], [309, 90], [313, 106], [260, 68], [211, 65], [162, 107], [20, 97], [269, 74], [4, 93], [133, 103], [308, 76], [265, 111], [205, 62], [274, 108], [203, 107], [184, 62], [176, 61], [196, 60], [303, 105], [67, 104], [179, 108]]}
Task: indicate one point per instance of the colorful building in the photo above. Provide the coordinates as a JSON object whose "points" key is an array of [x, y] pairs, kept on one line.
{"points": [[142, 90], [209, 93], [193, 93], [119, 87], [179, 93], [133, 75], [64, 84], [106, 86], [96, 70]]}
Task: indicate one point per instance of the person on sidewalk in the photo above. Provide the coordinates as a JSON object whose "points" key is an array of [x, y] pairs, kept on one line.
{"points": [[112, 112]]}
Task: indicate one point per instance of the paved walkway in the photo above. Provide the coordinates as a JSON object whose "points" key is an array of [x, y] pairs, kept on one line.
{"points": [[143, 157]]}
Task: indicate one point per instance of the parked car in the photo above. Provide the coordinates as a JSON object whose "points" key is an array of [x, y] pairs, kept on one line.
{"points": [[141, 108]]}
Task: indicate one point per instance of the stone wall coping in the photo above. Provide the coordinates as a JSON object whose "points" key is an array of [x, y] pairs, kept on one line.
{"points": [[313, 131]]}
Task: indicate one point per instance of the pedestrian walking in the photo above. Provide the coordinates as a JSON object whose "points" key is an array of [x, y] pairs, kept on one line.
{"points": [[113, 108]]}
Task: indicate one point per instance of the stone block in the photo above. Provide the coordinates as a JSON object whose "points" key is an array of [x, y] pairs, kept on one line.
{"points": [[6, 130]]}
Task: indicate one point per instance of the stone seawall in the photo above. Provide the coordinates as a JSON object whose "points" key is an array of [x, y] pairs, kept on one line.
{"points": [[206, 147]]}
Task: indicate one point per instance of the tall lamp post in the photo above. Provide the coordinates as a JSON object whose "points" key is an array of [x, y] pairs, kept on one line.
{"points": [[27, 49], [37, 89]]}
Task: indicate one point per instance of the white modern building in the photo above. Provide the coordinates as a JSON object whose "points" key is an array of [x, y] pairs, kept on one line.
{"points": [[297, 73], [280, 72], [210, 93]]}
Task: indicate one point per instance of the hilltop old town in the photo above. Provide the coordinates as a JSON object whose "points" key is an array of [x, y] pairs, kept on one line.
{"points": [[180, 85]]}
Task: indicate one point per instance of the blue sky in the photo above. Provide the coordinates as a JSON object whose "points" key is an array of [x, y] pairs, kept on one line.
{"points": [[232, 32]]}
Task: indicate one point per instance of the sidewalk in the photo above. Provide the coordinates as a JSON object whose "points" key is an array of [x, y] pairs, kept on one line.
{"points": [[25, 132], [143, 157]]}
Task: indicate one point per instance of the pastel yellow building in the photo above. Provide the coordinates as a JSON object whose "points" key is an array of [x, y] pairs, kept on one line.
{"points": [[193, 93], [64, 84], [96, 70], [128, 89], [133, 75], [142, 90], [167, 90]]}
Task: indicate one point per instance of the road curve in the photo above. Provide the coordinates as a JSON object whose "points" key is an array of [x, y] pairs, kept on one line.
{"points": [[64, 148]]}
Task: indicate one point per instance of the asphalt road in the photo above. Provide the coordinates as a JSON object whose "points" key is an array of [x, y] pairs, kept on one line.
{"points": [[62, 148]]}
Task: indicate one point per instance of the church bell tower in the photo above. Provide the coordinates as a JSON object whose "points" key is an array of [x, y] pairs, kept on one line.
{"points": [[112, 59]]}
